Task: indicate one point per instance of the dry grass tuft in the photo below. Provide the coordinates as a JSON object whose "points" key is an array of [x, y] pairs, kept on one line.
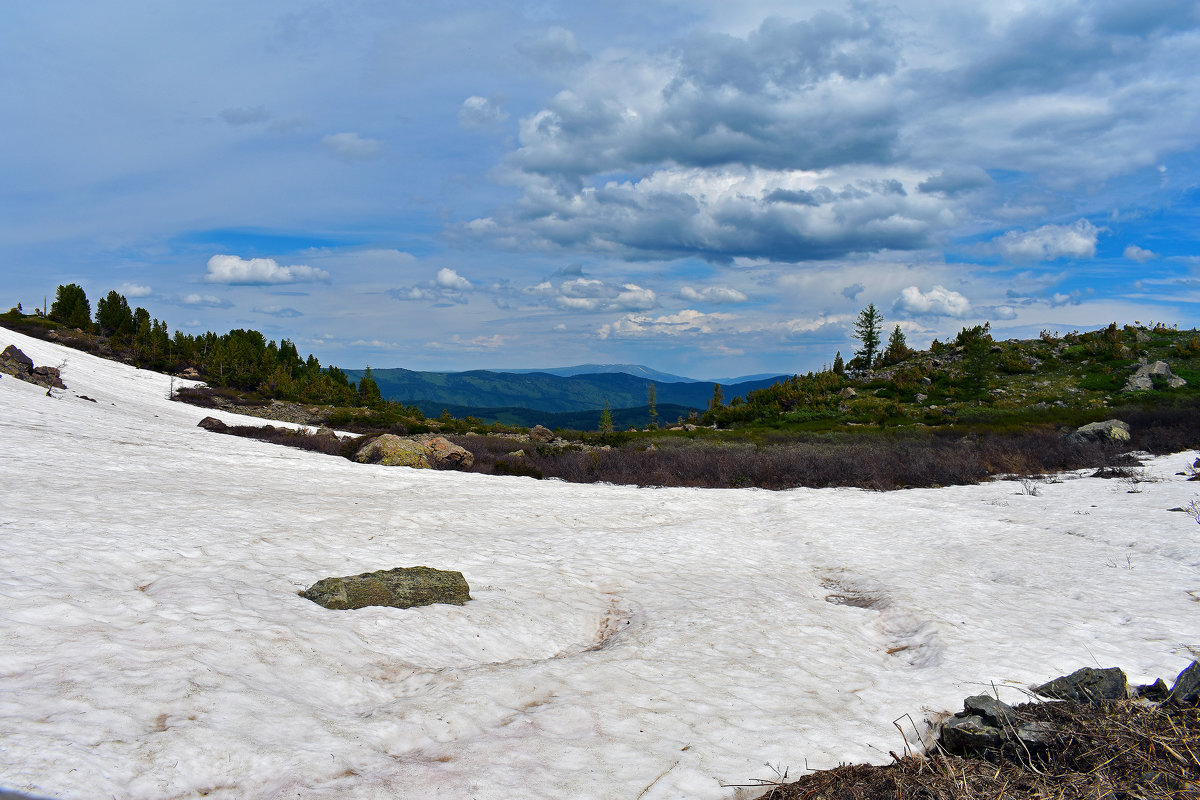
{"points": [[1114, 750]]}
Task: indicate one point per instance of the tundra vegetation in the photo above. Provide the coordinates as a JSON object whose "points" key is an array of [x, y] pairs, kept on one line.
{"points": [[958, 412]]}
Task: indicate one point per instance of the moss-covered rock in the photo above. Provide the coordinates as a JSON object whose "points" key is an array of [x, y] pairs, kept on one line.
{"points": [[402, 587]]}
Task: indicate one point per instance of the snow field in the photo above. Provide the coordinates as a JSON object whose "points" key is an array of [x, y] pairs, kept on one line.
{"points": [[152, 644]]}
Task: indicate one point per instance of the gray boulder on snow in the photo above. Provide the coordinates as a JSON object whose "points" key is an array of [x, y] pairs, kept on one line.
{"points": [[1087, 685], [1146, 375], [1186, 691], [402, 587]]}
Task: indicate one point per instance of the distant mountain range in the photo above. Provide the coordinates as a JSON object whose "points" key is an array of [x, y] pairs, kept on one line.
{"points": [[486, 394], [638, 371]]}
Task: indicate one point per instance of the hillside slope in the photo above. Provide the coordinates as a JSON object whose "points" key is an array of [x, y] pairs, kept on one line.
{"points": [[483, 389]]}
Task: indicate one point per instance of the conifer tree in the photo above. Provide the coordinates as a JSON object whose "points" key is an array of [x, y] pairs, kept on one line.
{"points": [[368, 390], [71, 306], [652, 400], [839, 366], [606, 420], [867, 329], [897, 347], [718, 398]]}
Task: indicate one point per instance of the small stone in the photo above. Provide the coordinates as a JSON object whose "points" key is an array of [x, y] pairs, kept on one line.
{"points": [[1156, 691], [992, 710], [970, 734]]}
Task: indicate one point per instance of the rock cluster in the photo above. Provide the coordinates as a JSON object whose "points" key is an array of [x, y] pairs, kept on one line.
{"points": [[16, 363], [985, 724], [1146, 375], [402, 587]]}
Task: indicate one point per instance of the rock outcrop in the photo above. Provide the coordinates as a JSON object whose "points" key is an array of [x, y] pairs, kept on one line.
{"points": [[402, 587], [16, 363], [1147, 375]]}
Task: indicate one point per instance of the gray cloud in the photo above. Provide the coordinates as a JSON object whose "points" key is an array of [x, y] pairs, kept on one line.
{"points": [[481, 112], [839, 105], [718, 215], [249, 115], [352, 147], [955, 180], [555, 49], [283, 312]]}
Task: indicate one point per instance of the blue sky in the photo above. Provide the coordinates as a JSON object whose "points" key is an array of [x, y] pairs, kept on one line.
{"points": [[703, 187]]}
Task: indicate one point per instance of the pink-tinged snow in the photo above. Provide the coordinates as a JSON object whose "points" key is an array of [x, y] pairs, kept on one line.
{"points": [[153, 645]]}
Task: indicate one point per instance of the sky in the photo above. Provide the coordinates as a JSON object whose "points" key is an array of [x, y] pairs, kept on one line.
{"points": [[702, 187]]}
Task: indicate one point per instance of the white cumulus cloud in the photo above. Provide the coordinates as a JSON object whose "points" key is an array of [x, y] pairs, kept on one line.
{"points": [[1077, 240], [713, 294], [135, 290], [229, 269], [449, 279], [1138, 254], [938, 301]]}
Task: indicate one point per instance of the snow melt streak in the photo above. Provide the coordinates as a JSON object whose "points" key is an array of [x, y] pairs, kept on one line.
{"points": [[152, 643]]}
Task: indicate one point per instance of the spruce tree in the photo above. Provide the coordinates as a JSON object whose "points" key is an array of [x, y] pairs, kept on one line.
{"points": [[606, 421], [718, 398], [652, 401], [368, 390], [867, 329], [897, 348]]}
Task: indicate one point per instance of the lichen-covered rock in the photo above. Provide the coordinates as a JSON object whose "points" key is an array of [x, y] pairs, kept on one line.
{"points": [[445, 453], [402, 587], [541, 434], [1110, 430], [394, 451], [1087, 685]]}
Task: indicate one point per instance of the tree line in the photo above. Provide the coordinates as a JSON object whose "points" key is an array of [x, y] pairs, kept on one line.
{"points": [[240, 359]]}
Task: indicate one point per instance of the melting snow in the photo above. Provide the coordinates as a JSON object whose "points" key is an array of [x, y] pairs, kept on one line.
{"points": [[153, 645]]}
